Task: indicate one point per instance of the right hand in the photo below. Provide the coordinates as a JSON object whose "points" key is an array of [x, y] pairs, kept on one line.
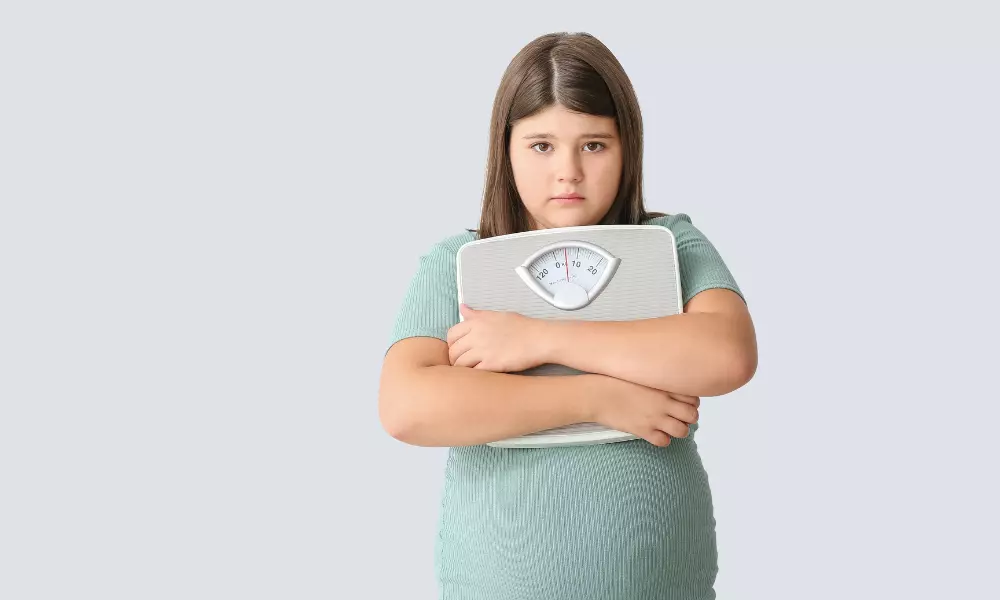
{"points": [[649, 413]]}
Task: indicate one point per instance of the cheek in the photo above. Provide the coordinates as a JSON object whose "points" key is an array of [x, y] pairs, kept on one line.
{"points": [[530, 180], [609, 174], [608, 170]]}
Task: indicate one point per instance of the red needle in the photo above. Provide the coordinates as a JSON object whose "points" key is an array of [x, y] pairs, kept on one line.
{"points": [[566, 260]]}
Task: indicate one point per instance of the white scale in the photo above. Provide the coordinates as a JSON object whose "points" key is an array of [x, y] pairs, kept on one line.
{"points": [[589, 272]]}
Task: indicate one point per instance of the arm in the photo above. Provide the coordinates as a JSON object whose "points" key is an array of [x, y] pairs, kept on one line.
{"points": [[709, 350], [425, 401]]}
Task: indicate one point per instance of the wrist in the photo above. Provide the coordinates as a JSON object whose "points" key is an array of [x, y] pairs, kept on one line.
{"points": [[542, 340], [550, 339]]}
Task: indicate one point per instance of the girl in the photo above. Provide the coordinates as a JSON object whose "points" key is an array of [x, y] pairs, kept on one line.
{"points": [[628, 520]]}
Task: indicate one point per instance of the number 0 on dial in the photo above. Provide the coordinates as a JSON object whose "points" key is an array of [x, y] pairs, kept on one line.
{"points": [[569, 274]]}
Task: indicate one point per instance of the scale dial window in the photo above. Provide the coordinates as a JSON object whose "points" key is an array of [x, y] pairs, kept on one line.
{"points": [[569, 274]]}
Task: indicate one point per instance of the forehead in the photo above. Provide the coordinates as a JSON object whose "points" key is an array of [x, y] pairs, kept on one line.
{"points": [[558, 122]]}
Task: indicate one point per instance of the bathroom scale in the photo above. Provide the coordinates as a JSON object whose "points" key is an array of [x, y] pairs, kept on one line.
{"points": [[586, 272]]}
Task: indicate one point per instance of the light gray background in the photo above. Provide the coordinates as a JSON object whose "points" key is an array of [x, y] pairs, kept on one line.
{"points": [[210, 212]]}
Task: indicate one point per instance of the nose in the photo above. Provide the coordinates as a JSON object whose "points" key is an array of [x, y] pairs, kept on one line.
{"points": [[569, 168]]}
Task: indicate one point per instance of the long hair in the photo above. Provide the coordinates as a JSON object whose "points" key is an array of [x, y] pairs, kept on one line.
{"points": [[578, 72]]}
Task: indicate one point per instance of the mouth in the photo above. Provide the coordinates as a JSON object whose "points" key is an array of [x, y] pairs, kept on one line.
{"points": [[568, 198]]}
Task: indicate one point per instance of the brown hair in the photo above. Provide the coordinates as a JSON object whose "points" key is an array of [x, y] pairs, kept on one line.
{"points": [[578, 72]]}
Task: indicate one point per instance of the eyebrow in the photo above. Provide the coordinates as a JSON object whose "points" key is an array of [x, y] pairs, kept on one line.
{"points": [[546, 136]]}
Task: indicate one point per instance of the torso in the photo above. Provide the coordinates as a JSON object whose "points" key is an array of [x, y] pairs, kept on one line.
{"points": [[626, 520], [621, 520]]}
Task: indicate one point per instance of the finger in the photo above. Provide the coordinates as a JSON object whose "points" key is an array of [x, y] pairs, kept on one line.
{"points": [[693, 400], [657, 438], [682, 411], [673, 427], [457, 331], [466, 311], [685, 398], [467, 358], [468, 361], [458, 348]]}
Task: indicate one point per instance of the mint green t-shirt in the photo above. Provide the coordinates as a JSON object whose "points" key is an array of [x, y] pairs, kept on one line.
{"points": [[627, 520]]}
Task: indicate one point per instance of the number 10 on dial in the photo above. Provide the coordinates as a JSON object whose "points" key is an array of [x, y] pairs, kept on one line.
{"points": [[568, 274]]}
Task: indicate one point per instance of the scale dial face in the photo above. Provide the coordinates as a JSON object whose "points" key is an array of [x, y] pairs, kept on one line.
{"points": [[568, 274]]}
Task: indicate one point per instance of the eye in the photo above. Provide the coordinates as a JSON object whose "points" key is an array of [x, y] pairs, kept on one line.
{"points": [[602, 146]]}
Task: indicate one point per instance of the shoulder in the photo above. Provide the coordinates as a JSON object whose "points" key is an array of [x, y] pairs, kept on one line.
{"points": [[675, 222], [449, 245], [429, 306], [452, 243], [682, 228], [446, 249], [680, 224]]}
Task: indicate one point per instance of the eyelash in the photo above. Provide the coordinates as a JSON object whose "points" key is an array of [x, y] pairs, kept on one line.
{"points": [[601, 144]]}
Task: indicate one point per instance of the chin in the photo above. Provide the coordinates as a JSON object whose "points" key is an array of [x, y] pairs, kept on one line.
{"points": [[569, 222], [568, 216], [575, 216]]}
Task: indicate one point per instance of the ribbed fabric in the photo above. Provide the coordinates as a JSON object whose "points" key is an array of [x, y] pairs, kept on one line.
{"points": [[627, 520]]}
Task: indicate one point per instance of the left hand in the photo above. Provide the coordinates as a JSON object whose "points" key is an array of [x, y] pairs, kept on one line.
{"points": [[497, 341]]}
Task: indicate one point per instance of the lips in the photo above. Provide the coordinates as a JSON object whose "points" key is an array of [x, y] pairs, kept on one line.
{"points": [[568, 197]]}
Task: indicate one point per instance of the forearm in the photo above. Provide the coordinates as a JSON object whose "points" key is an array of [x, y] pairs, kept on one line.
{"points": [[458, 406], [691, 353]]}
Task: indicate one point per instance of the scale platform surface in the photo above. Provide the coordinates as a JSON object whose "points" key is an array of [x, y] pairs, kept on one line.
{"points": [[588, 272]]}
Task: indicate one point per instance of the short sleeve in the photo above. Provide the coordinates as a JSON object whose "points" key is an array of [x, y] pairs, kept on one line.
{"points": [[701, 265], [430, 305]]}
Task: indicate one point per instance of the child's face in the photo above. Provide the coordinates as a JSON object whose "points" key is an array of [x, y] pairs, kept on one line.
{"points": [[581, 155]]}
